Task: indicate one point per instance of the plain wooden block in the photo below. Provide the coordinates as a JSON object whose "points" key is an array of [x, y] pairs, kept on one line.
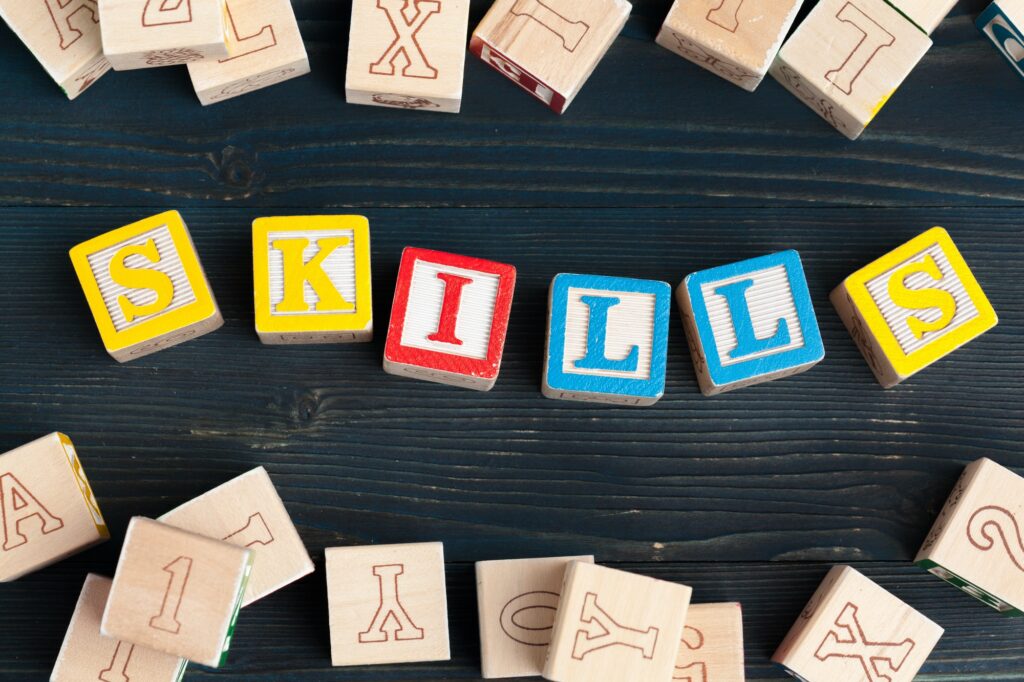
{"points": [[1003, 24], [449, 318], [407, 54], [517, 600], [853, 629], [614, 626], [712, 646], [976, 542], [926, 14], [734, 39], [750, 322], [247, 512], [549, 47], [913, 306], [176, 592], [47, 507], [146, 287], [141, 34], [847, 59], [88, 656], [387, 604]]}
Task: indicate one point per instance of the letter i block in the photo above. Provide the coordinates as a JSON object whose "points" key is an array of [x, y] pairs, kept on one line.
{"points": [[46, 506], [1003, 23], [449, 318], [750, 322], [145, 287], [312, 279], [712, 646], [387, 604], [913, 306], [140, 34], [853, 629]]}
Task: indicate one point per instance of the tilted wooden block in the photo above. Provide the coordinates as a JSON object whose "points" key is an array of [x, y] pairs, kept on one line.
{"points": [[613, 626], [853, 629], [847, 59], [247, 512], [517, 600], [1003, 23], [176, 592], [387, 604], [146, 287], [312, 279], [712, 646], [141, 34], [750, 322], [87, 655], [913, 306], [549, 47], [449, 318]]}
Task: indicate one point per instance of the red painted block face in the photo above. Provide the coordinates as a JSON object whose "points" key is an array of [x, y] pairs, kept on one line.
{"points": [[518, 75]]}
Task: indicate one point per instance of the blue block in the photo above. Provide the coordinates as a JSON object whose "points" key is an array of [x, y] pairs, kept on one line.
{"points": [[1004, 29]]}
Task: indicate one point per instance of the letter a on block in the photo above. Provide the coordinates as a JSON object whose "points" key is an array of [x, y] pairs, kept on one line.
{"points": [[405, 48], [164, 12], [18, 505], [391, 621], [71, 18]]}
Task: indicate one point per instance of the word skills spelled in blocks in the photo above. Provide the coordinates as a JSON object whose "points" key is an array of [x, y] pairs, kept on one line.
{"points": [[913, 306], [312, 279], [407, 54], [712, 646], [47, 507], [734, 39], [607, 339], [750, 322], [247, 512], [549, 47], [176, 592], [517, 600], [387, 604], [141, 34], [449, 318], [1003, 24], [614, 626]]}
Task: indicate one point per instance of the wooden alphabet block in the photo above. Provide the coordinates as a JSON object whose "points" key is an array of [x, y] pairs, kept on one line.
{"points": [[847, 59], [613, 626], [549, 47], [734, 39], [146, 287], [925, 14], [976, 542], [47, 507], [176, 592], [387, 604], [247, 512], [712, 646], [1003, 24], [517, 600], [913, 306], [407, 54], [88, 655], [449, 318], [750, 322], [312, 279], [853, 629], [607, 339], [141, 34]]}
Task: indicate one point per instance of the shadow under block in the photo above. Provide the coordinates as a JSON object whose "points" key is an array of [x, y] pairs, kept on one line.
{"points": [[913, 306], [735, 39], [517, 600], [614, 626], [87, 655], [712, 645], [449, 318], [847, 59], [146, 287], [387, 604], [47, 507], [247, 512], [176, 592], [1003, 24], [64, 35], [549, 47], [407, 54], [141, 34]]}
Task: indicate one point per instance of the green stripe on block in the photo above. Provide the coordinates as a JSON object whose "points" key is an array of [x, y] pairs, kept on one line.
{"points": [[238, 607], [971, 589]]}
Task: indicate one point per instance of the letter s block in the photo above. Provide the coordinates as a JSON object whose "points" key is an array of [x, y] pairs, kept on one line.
{"points": [[141, 34], [1003, 24], [712, 646]]}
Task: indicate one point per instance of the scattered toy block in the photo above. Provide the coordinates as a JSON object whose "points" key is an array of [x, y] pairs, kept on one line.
{"points": [[146, 287], [312, 279], [913, 306], [141, 34], [176, 592], [712, 645], [549, 47], [925, 14], [47, 507], [1003, 23], [613, 626], [449, 318], [387, 604], [750, 322], [517, 600]]}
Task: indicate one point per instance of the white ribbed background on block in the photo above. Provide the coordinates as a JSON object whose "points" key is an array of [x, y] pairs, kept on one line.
{"points": [[340, 268], [630, 323]]}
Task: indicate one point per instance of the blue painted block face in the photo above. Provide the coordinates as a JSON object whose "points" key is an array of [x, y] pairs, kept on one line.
{"points": [[1006, 32], [607, 339]]}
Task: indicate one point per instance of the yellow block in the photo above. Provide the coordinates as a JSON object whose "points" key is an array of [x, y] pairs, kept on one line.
{"points": [[83, 486]]}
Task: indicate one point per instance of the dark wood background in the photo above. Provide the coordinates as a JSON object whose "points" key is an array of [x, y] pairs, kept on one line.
{"points": [[657, 169]]}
